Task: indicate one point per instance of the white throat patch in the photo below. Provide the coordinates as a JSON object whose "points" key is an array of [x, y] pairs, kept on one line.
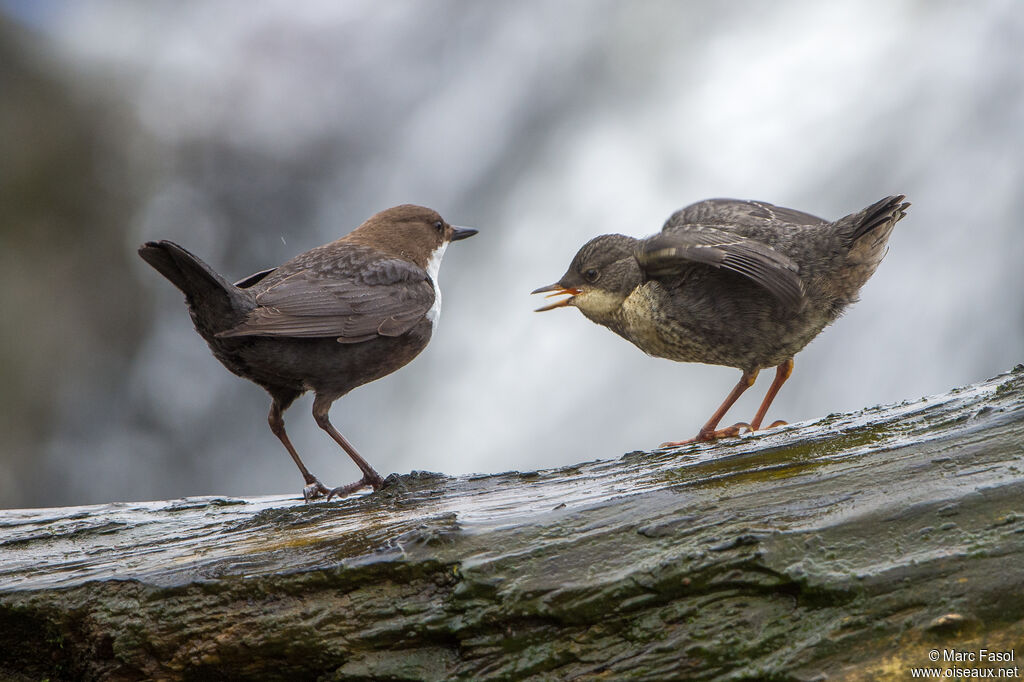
{"points": [[433, 265]]}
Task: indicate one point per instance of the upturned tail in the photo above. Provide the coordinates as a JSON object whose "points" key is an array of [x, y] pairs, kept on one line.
{"points": [[214, 302], [875, 222], [866, 234]]}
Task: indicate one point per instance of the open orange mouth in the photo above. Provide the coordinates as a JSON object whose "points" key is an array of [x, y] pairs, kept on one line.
{"points": [[556, 290]]}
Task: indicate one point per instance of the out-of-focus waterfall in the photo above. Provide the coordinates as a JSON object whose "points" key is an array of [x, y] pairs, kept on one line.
{"points": [[249, 136]]}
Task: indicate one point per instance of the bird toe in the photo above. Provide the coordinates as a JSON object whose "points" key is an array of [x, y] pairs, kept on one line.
{"points": [[314, 490]]}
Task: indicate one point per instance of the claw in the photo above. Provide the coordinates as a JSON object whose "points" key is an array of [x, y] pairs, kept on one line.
{"points": [[732, 431], [314, 490], [343, 490], [706, 436]]}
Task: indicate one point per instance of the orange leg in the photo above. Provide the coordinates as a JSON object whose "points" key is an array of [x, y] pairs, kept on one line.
{"points": [[708, 431], [782, 372]]}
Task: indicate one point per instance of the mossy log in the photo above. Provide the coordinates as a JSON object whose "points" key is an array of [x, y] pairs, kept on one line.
{"points": [[847, 548]]}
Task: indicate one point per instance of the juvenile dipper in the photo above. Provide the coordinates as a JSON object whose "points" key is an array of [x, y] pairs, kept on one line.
{"points": [[743, 284], [327, 321]]}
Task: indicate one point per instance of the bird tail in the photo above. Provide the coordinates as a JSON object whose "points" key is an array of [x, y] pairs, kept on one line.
{"points": [[866, 234], [876, 220], [210, 297]]}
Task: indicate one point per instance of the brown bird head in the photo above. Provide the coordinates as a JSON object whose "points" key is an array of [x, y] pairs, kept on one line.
{"points": [[602, 274], [415, 233]]}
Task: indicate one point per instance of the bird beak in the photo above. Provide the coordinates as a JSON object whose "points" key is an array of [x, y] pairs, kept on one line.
{"points": [[462, 232], [556, 290]]}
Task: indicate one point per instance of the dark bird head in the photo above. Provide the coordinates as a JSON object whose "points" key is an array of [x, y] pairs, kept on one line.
{"points": [[415, 233], [600, 277]]}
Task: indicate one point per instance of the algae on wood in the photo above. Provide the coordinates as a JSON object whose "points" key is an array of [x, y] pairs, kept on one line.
{"points": [[849, 547]]}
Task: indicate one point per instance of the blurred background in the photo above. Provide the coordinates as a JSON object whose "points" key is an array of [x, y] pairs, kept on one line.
{"points": [[250, 134]]}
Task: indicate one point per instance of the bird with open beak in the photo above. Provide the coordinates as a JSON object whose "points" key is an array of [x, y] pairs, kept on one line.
{"points": [[742, 284]]}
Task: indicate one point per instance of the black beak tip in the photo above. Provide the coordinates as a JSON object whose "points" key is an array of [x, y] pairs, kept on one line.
{"points": [[462, 232], [544, 290]]}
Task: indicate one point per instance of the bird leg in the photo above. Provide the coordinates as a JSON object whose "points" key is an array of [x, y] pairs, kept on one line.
{"points": [[314, 488], [782, 372], [370, 477], [708, 431]]}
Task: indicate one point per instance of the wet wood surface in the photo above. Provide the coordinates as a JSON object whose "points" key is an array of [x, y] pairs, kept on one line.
{"points": [[849, 547]]}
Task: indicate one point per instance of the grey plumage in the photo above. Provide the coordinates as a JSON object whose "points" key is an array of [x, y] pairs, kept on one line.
{"points": [[679, 246], [728, 282]]}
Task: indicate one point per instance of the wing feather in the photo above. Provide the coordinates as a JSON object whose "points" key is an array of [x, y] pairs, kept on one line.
{"points": [[386, 297], [672, 250], [737, 212]]}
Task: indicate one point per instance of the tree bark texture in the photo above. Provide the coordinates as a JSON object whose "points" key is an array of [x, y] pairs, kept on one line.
{"points": [[847, 548]]}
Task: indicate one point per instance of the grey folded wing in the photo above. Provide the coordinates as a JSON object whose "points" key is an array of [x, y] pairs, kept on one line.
{"points": [[676, 248], [384, 298], [740, 213]]}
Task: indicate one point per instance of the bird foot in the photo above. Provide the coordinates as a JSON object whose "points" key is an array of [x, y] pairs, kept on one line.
{"points": [[374, 481], [710, 435], [777, 422], [314, 489]]}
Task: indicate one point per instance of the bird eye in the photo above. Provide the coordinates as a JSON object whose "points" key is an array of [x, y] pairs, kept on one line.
{"points": [[439, 226], [590, 274]]}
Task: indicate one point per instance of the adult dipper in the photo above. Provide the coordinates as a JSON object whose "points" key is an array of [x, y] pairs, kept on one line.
{"points": [[743, 284], [327, 321]]}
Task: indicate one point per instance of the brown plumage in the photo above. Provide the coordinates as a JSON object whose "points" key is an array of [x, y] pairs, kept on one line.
{"points": [[329, 320], [743, 284]]}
